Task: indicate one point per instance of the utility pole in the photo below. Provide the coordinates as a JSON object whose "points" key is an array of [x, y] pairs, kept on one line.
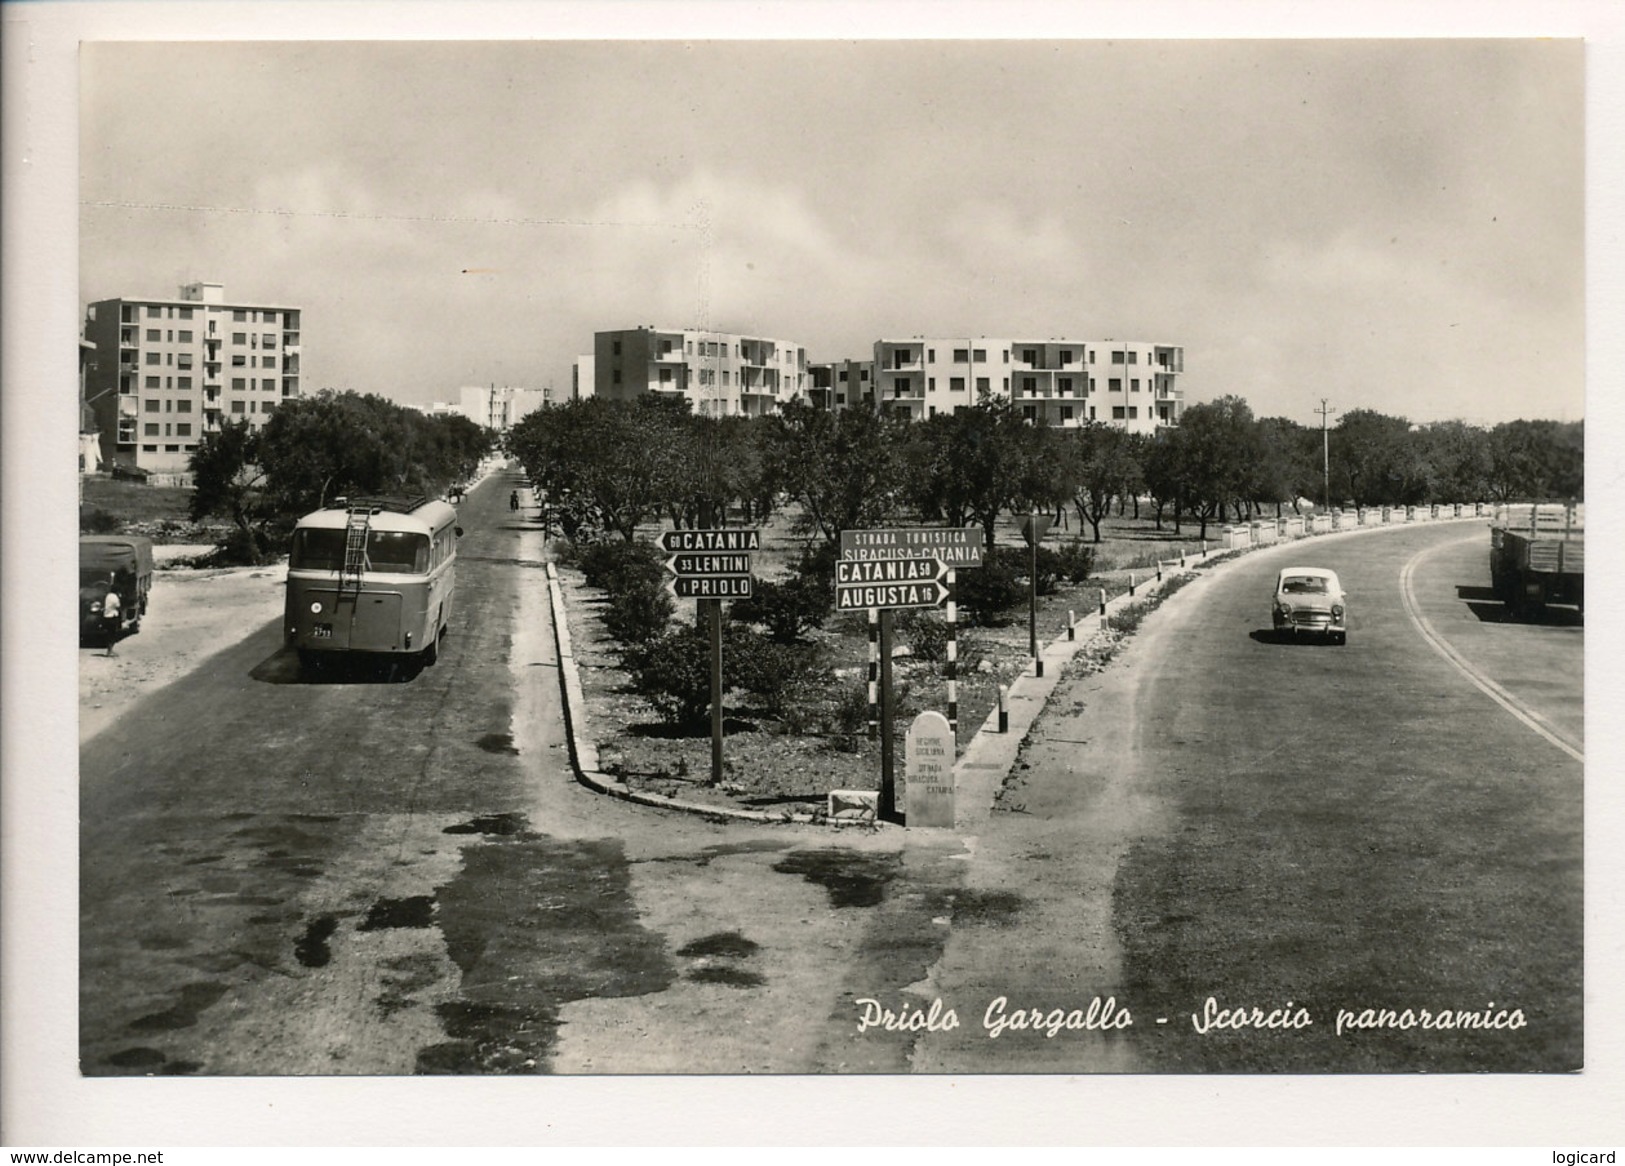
{"points": [[1325, 454]]}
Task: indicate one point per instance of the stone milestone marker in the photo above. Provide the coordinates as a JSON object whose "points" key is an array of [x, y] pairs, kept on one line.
{"points": [[928, 757]]}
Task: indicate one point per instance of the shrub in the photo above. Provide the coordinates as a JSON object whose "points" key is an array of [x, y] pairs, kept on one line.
{"points": [[95, 520], [639, 613], [995, 587], [782, 675], [619, 566], [1074, 561], [926, 634], [788, 609], [673, 673]]}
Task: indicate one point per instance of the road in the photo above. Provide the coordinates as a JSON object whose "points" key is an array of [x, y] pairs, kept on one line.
{"points": [[391, 874], [1296, 827]]}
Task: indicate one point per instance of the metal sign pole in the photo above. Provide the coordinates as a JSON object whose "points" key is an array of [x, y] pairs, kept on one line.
{"points": [[888, 787], [716, 690], [1032, 595]]}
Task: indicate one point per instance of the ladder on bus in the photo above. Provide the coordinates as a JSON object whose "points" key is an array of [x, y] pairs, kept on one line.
{"points": [[356, 526]]}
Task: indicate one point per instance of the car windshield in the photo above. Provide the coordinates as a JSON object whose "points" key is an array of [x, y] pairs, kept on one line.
{"points": [[1304, 585], [90, 576]]}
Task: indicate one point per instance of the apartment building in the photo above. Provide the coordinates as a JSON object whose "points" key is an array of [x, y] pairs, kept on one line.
{"points": [[1133, 385], [168, 371], [841, 384], [719, 374], [500, 407]]}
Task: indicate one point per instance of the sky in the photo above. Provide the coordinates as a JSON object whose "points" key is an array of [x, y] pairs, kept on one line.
{"points": [[1395, 225]]}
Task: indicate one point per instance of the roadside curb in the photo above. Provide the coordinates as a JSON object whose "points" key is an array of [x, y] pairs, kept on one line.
{"points": [[584, 750], [987, 758]]}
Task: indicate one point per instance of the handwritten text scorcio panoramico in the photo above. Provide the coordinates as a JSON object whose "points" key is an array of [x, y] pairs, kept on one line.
{"points": [[1106, 1015]]}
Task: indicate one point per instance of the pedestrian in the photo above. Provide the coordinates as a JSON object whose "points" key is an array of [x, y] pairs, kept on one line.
{"points": [[110, 616], [513, 500]]}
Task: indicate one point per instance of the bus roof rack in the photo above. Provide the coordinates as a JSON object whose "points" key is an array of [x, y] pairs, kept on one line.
{"points": [[399, 503]]}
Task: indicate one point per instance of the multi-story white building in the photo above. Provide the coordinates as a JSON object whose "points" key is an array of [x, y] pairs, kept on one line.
{"points": [[841, 384], [1053, 382], [499, 408], [720, 374], [168, 371]]}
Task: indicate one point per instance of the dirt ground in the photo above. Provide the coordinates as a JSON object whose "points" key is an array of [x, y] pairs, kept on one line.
{"points": [[773, 764], [191, 615]]}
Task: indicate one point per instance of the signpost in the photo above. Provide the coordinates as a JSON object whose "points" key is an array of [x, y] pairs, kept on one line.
{"points": [[1033, 529], [882, 570], [710, 566]]}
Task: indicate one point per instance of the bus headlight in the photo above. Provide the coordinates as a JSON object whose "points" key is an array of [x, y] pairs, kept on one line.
{"points": [[316, 608]]}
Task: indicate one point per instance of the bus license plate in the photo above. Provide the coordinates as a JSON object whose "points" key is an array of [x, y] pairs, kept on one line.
{"points": [[323, 631]]}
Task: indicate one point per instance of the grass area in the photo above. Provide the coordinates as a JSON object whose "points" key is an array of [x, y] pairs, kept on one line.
{"points": [[115, 506]]}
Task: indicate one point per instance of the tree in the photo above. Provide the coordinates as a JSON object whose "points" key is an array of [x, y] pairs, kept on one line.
{"points": [[845, 469], [1217, 450], [1101, 466], [972, 464], [1375, 460], [227, 480]]}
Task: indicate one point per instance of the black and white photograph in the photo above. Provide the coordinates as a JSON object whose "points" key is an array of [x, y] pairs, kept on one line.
{"points": [[985, 557]]}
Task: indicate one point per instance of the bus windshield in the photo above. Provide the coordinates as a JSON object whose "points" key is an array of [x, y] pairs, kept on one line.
{"points": [[392, 551]]}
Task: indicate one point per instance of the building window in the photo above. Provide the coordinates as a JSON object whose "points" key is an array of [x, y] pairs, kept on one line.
{"points": [[152, 358], [1007, 384], [1091, 412], [172, 449], [1066, 412], [1134, 385], [1066, 356], [1030, 384], [267, 406], [931, 355], [238, 360], [183, 360], [961, 355], [1114, 385], [154, 312], [154, 334], [1133, 412], [930, 384], [1117, 413], [979, 355], [152, 382], [982, 385], [956, 384], [238, 407], [186, 313], [239, 315], [153, 406], [183, 429], [238, 383], [150, 429], [267, 362], [186, 336], [1029, 412], [183, 383], [1133, 357], [1117, 356], [1029, 356], [615, 376], [239, 337], [1006, 356], [270, 339], [665, 376], [149, 449]]}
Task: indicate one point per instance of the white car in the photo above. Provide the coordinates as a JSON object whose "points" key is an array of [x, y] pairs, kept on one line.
{"points": [[1311, 601]]}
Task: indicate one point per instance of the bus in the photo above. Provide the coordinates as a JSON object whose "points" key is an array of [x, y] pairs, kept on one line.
{"points": [[374, 576]]}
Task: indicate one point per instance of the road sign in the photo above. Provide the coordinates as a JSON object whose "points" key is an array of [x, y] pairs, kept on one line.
{"points": [[857, 596], [711, 586], [956, 546], [730, 539], [890, 571], [700, 563], [1036, 522]]}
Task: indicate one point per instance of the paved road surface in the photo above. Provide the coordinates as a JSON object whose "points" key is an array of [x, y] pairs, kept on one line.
{"points": [[389, 874]]}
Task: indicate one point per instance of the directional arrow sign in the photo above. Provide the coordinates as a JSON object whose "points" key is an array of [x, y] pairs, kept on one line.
{"points": [[924, 593], [732, 539], [890, 571], [710, 586], [703, 563]]}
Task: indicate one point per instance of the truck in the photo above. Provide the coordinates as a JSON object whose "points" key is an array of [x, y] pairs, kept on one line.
{"points": [[119, 566], [1537, 557]]}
